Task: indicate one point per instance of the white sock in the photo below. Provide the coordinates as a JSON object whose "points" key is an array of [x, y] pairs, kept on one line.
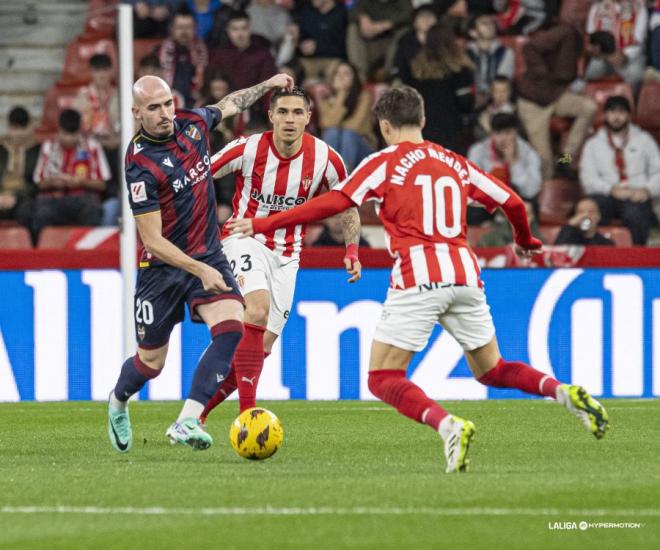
{"points": [[191, 409], [445, 427], [116, 404]]}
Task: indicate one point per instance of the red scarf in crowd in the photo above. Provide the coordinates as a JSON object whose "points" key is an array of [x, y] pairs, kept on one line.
{"points": [[499, 168], [619, 19], [619, 158]]}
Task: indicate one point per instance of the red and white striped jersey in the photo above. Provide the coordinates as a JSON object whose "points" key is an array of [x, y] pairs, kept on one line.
{"points": [[267, 183], [422, 191]]}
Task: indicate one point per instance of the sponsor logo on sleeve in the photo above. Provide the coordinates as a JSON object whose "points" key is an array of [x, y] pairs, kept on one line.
{"points": [[138, 191]]}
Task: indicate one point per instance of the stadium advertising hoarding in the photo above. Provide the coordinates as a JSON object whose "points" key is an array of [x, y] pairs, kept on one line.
{"points": [[60, 336]]}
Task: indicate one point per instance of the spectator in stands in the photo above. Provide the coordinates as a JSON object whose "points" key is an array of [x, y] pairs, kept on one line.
{"points": [[333, 233], [500, 102], [442, 73], [620, 169], [71, 176], [408, 46], [246, 59], [98, 102], [551, 59], [490, 58], [626, 21], [150, 17], [655, 39], [183, 56], [150, 65], [18, 158], [204, 13], [582, 228], [269, 20], [524, 16], [502, 234], [216, 86], [345, 116], [509, 157], [322, 39], [373, 30]]}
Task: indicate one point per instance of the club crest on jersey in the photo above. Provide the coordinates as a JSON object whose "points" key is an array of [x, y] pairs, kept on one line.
{"points": [[241, 281], [306, 183], [193, 133]]}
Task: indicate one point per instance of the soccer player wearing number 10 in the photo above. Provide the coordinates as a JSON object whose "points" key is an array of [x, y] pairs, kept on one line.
{"points": [[421, 191]]}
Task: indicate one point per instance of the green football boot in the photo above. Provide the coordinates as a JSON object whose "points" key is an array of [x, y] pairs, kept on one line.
{"points": [[590, 412], [119, 429], [189, 432]]}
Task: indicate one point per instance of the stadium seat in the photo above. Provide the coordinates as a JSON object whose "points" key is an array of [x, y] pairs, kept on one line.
{"points": [[142, 48], [620, 235], [557, 199], [575, 12], [14, 238], [55, 237], [602, 89], [648, 113], [76, 61], [516, 43], [101, 18], [57, 99]]}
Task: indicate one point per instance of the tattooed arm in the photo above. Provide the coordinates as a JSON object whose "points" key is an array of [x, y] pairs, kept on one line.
{"points": [[240, 100], [350, 224]]}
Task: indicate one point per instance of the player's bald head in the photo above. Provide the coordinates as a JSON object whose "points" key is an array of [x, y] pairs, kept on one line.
{"points": [[147, 88]]}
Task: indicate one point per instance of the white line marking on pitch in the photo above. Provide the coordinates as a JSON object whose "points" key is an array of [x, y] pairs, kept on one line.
{"points": [[329, 511]]}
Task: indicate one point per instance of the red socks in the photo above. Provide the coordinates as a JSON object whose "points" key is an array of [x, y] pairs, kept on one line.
{"points": [[223, 392], [248, 362], [392, 387], [513, 374]]}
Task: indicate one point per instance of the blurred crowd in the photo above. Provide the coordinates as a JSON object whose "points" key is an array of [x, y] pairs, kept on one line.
{"points": [[520, 112]]}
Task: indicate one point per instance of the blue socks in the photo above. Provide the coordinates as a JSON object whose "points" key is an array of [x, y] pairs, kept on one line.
{"points": [[215, 363], [134, 375]]}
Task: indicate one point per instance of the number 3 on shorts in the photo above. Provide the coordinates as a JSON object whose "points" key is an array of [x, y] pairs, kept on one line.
{"points": [[144, 312], [247, 264]]}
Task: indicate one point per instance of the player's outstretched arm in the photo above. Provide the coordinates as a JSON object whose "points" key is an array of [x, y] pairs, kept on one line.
{"points": [[350, 224], [525, 244], [319, 208], [240, 100], [150, 226]]}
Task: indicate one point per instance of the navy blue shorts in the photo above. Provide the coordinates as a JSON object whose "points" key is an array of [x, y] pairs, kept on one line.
{"points": [[162, 291]]}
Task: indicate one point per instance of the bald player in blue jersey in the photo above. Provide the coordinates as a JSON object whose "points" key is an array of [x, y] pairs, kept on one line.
{"points": [[171, 193]]}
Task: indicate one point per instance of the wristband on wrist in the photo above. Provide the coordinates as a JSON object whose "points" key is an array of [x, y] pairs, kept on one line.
{"points": [[352, 250]]}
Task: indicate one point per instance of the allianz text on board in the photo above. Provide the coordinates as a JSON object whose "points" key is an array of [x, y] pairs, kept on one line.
{"points": [[60, 336]]}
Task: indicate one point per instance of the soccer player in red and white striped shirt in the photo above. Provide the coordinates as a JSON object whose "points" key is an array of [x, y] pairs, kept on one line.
{"points": [[421, 191], [276, 171]]}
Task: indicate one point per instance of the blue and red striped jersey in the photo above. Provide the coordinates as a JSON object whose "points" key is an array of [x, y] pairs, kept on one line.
{"points": [[173, 175]]}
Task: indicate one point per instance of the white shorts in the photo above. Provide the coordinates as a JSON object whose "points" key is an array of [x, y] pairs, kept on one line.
{"points": [[257, 267], [410, 315]]}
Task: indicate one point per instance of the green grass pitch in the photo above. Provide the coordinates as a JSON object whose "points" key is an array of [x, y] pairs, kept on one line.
{"points": [[350, 475]]}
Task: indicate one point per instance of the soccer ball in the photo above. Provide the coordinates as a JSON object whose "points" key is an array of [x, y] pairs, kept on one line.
{"points": [[256, 434]]}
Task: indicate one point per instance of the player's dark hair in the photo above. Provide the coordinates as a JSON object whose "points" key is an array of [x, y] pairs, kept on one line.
{"points": [[150, 60], [297, 91], [236, 15], [69, 121], [100, 61], [617, 102], [504, 121], [183, 10], [401, 106], [503, 79], [19, 116]]}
